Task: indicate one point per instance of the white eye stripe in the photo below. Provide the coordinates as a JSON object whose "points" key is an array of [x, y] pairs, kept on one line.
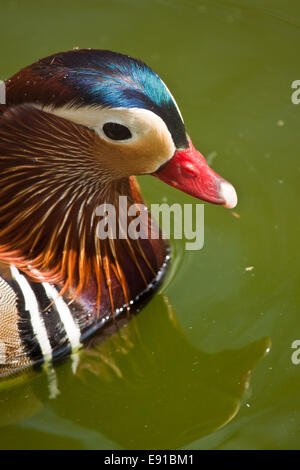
{"points": [[139, 121]]}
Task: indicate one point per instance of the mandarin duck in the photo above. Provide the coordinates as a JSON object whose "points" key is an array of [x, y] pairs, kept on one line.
{"points": [[74, 130]]}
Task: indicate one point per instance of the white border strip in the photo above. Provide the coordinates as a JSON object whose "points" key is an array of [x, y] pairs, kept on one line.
{"points": [[2, 92], [72, 329]]}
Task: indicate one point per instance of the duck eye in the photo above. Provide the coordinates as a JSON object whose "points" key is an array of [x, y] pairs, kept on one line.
{"points": [[116, 131]]}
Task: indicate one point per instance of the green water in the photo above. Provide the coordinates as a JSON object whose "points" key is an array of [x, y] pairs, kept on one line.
{"points": [[179, 374]]}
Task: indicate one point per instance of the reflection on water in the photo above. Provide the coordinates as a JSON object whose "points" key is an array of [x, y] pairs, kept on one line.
{"points": [[130, 395]]}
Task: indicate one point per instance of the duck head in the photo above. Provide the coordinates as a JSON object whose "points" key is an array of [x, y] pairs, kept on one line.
{"points": [[139, 126], [76, 127]]}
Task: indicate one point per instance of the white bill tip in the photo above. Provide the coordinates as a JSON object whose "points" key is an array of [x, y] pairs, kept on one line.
{"points": [[228, 192]]}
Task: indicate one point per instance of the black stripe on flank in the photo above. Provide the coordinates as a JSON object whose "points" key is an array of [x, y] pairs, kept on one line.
{"points": [[55, 329], [27, 336]]}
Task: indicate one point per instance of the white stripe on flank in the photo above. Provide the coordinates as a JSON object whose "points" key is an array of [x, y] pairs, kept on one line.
{"points": [[37, 321], [72, 329], [2, 92]]}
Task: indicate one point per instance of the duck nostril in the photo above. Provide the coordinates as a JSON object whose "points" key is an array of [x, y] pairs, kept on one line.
{"points": [[189, 169]]}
